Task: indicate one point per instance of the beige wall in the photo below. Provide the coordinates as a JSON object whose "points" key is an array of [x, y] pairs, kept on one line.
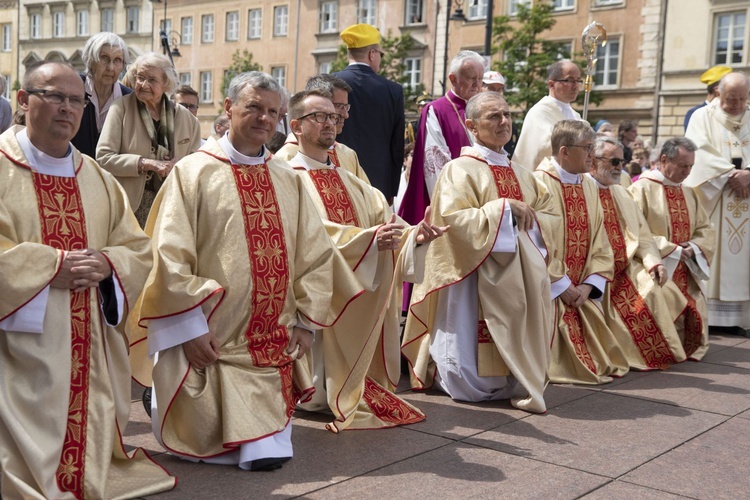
{"points": [[9, 59]]}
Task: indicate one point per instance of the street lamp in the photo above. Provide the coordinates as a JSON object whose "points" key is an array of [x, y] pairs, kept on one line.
{"points": [[456, 16]]}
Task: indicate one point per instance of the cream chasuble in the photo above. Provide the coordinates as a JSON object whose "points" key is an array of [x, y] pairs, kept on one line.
{"points": [[584, 350], [66, 396], [720, 138], [245, 245], [675, 216], [480, 324], [360, 353], [640, 313], [341, 155], [534, 142]]}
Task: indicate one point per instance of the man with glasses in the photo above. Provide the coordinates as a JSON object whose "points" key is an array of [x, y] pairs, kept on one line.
{"points": [[683, 234], [73, 259], [340, 154], [584, 350], [187, 97], [640, 303], [357, 360], [564, 83], [376, 118]]}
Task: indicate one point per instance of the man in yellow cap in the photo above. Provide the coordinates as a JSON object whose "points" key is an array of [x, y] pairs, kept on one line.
{"points": [[711, 77], [375, 127]]}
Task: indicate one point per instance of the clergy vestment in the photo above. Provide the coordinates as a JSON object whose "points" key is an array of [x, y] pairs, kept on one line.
{"points": [[341, 156], [240, 251], [640, 313], [480, 324], [357, 364], [66, 381], [675, 216], [584, 349], [720, 138], [535, 142]]}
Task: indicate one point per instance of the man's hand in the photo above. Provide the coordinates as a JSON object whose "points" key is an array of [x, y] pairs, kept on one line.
{"points": [[687, 252], [388, 235], [570, 296], [82, 269], [739, 183], [585, 290], [659, 274], [202, 351], [523, 214], [427, 232], [302, 338]]}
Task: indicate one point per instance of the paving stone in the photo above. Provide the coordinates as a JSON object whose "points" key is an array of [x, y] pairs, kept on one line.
{"points": [[138, 433], [737, 356], [621, 490]]}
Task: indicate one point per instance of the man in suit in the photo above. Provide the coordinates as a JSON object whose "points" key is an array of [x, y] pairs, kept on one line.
{"points": [[711, 78], [375, 127]]}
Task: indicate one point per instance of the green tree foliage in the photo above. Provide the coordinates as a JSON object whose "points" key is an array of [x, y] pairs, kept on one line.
{"points": [[241, 62]]}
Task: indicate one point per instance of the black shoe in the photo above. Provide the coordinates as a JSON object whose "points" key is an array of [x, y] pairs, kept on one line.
{"points": [[146, 398], [268, 464]]}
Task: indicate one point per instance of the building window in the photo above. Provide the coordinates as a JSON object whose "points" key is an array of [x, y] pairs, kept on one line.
{"points": [[133, 15], [565, 51], [279, 72], [186, 36], [254, 23], [107, 19], [607, 64], [280, 20], [186, 79], [414, 11], [366, 11], [565, 4], [599, 3], [165, 25], [477, 10], [513, 6], [325, 67], [7, 40], [207, 28], [413, 72], [58, 24], [730, 37], [328, 17], [35, 23], [233, 26], [82, 23], [206, 86]]}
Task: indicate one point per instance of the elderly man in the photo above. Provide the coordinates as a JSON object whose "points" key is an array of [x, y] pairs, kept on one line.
{"points": [[721, 131], [376, 118], [442, 133], [72, 259], [711, 78], [357, 363], [564, 83], [584, 350], [639, 304], [243, 275], [683, 234], [341, 155], [480, 325]]}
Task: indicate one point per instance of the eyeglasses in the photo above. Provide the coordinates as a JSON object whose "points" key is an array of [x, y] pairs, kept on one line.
{"points": [[570, 81], [341, 105], [191, 107], [321, 117], [587, 147], [612, 161], [59, 98], [144, 79], [378, 51]]}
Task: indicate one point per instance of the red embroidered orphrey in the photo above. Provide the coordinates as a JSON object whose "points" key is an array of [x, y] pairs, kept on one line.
{"points": [[63, 226], [633, 310], [333, 155], [388, 407], [679, 220], [335, 197]]}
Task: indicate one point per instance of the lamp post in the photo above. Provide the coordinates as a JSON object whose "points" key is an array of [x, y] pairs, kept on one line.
{"points": [[487, 30], [456, 16]]}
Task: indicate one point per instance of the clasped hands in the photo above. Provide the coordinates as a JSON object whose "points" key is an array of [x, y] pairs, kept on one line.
{"points": [[575, 296], [159, 167], [687, 252], [388, 235], [82, 269]]}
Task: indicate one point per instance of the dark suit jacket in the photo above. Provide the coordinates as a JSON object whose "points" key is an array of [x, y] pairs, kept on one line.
{"points": [[375, 128], [87, 136], [690, 113]]}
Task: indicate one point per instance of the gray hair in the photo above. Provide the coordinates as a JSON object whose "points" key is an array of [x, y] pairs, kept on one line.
{"points": [[462, 58], [476, 103], [254, 79], [156, 61], [601, 141], [671, 147], [93, 47], [556, 70], [732, 78], [327, 82]]}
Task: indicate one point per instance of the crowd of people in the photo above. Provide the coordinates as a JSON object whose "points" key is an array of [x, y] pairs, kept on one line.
{"points": [[241, 282]]}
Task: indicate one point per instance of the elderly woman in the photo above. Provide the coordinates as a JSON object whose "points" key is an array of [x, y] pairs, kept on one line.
{"points": [[145, 133], [105, 55]]}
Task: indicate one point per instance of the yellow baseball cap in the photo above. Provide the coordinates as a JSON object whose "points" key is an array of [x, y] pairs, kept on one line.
{"points": [[360, 35], [715, 74]]}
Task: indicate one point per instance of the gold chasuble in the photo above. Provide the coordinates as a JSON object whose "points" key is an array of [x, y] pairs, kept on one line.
{"points": [[675, 216], [640, 313], [584, 350], [509, 287], [66, 389], [244, 244], [341, 155], [361, 354]]}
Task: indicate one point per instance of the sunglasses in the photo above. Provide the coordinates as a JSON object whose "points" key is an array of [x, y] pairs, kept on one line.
{"points": [[612, 161]]}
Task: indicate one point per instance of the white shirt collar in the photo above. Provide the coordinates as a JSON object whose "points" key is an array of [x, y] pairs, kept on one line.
{"points": [[237, 158], [493, 157], [101, 114], [43, 163], [658, 176], [565, 176], [309, 163]]}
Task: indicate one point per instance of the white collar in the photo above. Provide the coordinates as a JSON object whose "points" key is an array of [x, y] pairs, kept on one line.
{"points": [[658, 176], [565, 176], [493, 157], [43, 163], [598, 184], [310, 163], [237, 158]]}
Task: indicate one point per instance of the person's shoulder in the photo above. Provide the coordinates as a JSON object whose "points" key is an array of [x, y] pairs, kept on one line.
{"points": [[125, 89]]}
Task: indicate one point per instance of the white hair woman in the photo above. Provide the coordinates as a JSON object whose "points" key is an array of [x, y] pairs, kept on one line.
{"points": [[145, 133]]}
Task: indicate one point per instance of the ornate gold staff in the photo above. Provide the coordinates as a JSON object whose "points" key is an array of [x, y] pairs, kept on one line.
{"points": [[591, 37]]}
